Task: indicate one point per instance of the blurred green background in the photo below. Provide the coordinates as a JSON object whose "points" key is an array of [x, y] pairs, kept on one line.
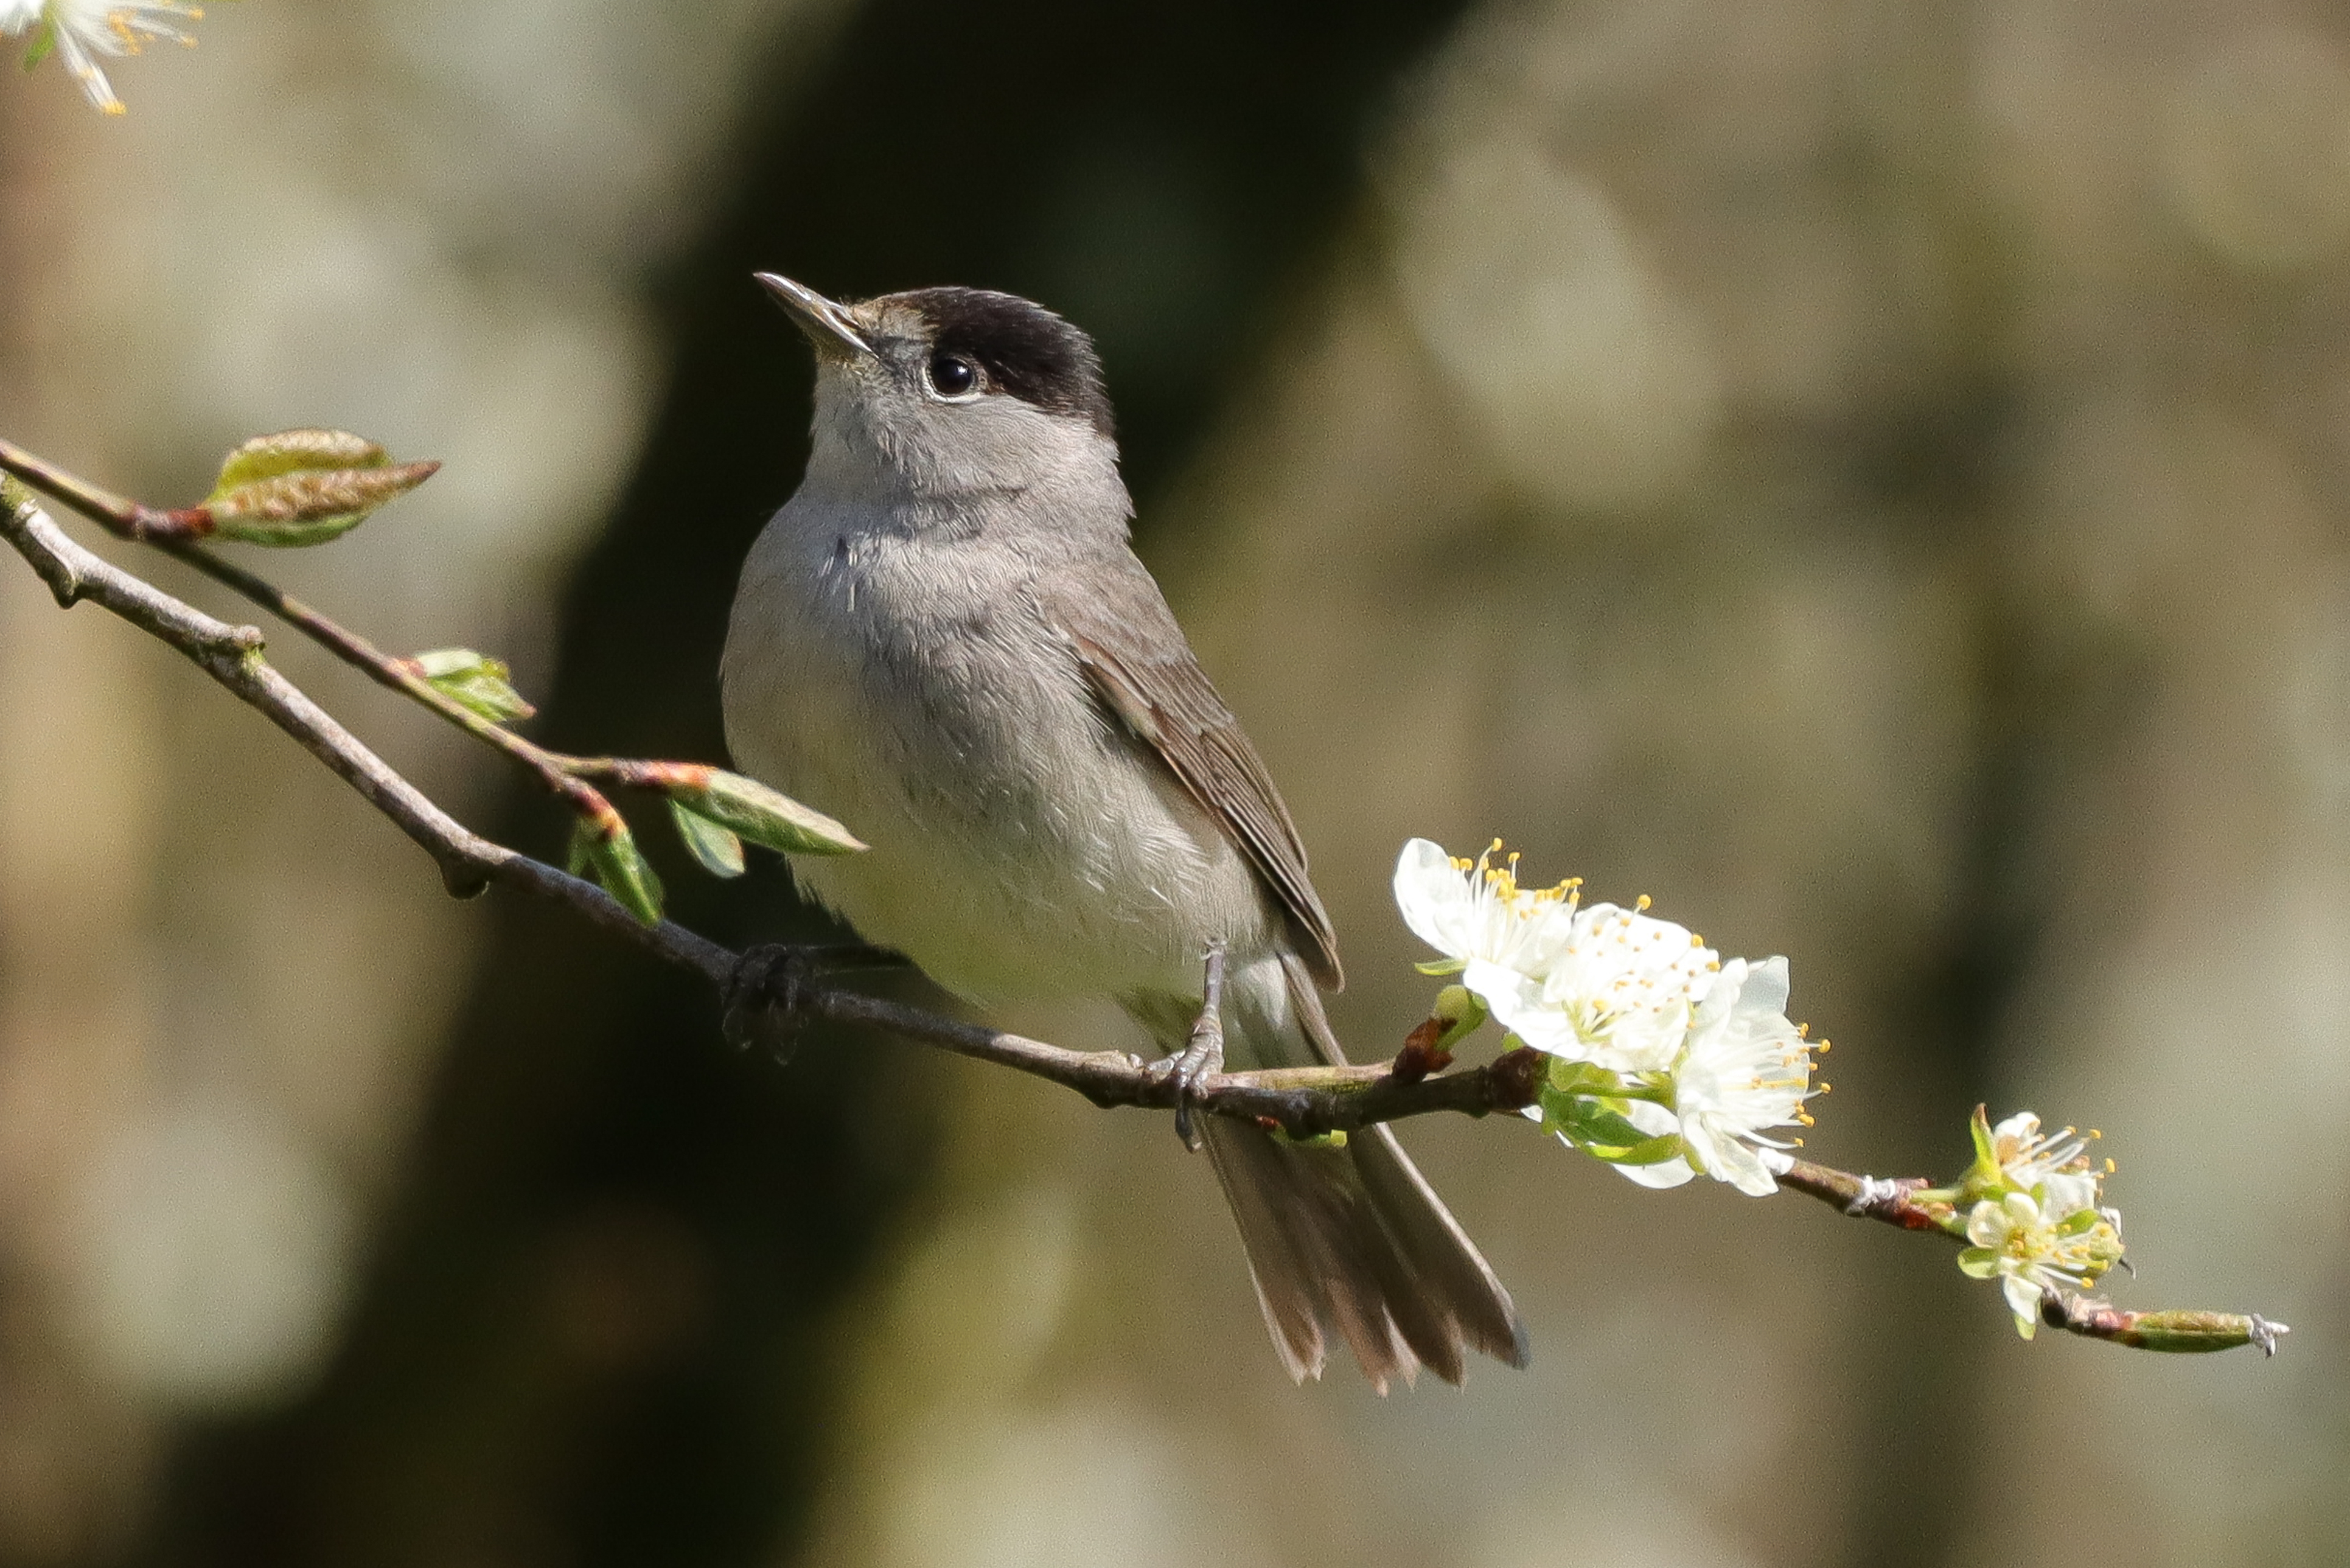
{"points": [[1874, 475]]}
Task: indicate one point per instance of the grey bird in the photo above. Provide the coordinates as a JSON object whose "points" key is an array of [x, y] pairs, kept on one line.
{"points": [[945, 639]]}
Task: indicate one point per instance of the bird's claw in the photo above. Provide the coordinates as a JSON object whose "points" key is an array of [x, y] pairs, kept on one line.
{"points": [[1202, 1056], [1190, 1069], [764, 1001]]}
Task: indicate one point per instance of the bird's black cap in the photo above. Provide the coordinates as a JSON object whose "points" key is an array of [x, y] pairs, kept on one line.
{"points": [[1025, 349]]}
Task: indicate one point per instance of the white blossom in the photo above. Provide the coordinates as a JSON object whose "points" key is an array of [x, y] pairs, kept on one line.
{"points": [[2029, 1251], [1742, 1072], [1503, 936], [1620, 993], [1745, 1071], [2054, 1167], [82, 30]]}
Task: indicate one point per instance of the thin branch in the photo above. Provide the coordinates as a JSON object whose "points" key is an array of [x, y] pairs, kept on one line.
{"points": [[134, 522], [1303, 1102], [1887, 1200], [232, 656], [1307, 1101], [398, 674]]}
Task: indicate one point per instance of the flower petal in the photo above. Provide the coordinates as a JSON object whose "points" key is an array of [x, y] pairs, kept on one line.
{"points": [[1669, 1173], [2023, 1301], [1432, 896]]}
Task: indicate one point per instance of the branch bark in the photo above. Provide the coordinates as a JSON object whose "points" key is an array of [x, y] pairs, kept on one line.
{"points": [[1306, 1101], [1303, 1102]]}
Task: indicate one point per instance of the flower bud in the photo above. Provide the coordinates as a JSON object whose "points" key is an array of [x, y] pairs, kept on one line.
{"points": [[749, 809], [2184, 1333], [303, 487], [476, 679], [1460, 1013]]}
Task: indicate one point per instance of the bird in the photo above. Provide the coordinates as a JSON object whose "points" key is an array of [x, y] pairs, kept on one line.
{"points": [[945, 639]]}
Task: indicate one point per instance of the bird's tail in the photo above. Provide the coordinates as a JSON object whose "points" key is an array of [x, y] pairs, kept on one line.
{"points": [[1355, 1238]]}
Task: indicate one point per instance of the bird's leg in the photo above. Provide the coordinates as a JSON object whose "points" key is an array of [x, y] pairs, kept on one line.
{"points": [[764, 999], [1202, 1057]]}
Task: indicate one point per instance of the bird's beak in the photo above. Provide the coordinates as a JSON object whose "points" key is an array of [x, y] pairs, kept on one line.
{"points": [[826, 322]]}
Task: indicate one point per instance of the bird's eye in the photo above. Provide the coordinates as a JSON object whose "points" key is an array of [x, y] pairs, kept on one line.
{"points": [[953, 375]]}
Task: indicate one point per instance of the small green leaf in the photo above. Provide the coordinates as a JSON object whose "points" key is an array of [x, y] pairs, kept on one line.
{"points": [[1978, 1262], [751, 810], [305, 487], [720, 852], [1600, 1129], [1978, 1130], [1647, 1151], [1442, 967], [619, 867], [45, 39], [1568, 1077]]}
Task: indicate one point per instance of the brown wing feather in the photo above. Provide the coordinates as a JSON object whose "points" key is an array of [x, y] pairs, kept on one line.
{"points": [[1137, 660]]}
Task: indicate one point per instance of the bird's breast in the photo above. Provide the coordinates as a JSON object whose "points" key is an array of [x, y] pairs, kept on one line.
{"points": [[1023, 843]]}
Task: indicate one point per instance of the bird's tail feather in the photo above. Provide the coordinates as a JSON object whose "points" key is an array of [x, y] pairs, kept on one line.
{"points": [[1355, 1237]]}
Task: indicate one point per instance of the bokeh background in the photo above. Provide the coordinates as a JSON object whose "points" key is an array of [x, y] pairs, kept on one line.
{"points": [[1874, 474]]}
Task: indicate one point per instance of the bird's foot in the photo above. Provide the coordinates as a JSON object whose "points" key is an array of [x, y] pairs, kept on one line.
{"points": [[1202, 1056], [764, 1001]]}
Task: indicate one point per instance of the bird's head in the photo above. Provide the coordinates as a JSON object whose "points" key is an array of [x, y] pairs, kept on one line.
{"points": [[940, 392]]}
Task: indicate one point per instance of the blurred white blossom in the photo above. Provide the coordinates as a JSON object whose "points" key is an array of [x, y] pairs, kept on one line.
{"points": [[80, 30], [2029, 1251], [2053, 1168]]}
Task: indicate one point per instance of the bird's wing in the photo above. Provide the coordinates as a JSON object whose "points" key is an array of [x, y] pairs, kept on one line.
{"points": [[1146, 674]]}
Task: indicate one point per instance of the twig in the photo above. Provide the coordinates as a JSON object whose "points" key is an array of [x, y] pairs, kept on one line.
{"points": [[232, 656], [564, 777], [1305, 1102]]}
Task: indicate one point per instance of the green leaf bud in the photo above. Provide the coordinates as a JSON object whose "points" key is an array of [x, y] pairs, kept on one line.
{"points": [[2195, 1333], [303, 487], [608, 850], [477, 680], [1600, 1129], [749, 809]]}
